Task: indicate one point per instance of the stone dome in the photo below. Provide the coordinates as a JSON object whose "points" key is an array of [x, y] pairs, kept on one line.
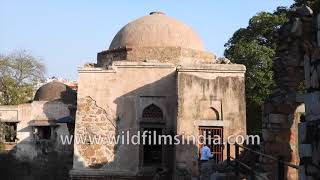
{"points": [[156, 30], [56, 91]]}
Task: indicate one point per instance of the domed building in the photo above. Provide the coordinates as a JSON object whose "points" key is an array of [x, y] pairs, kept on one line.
{"points": [[155, 78], [56, 91], [38, 125]]}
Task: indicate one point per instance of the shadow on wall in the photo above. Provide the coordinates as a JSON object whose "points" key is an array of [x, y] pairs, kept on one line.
{"points": [[129, 158], [133, 160]]}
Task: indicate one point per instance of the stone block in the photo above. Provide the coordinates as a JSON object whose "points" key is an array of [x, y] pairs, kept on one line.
{"points": [[278, 149], [312, 170], [315, 56], [318, 35], [304, 10], [267, 135], [314, 79], [318, 25], [307, 70], [285, 108], [291, 119], [299, 98], [302, 172], [278, 118], [266, 160], [302, 131], [268, 107], [305, 150], [283, 136], [303, 175], [297, 27], [312, 105]]}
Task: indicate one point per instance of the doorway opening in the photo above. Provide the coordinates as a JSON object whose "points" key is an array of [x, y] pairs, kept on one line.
{"points": [[152, 122], [152, 149], [210, 133]]}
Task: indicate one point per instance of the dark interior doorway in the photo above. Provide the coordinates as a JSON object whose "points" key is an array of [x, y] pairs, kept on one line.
{"points": [[152, 117], [152, 149]]}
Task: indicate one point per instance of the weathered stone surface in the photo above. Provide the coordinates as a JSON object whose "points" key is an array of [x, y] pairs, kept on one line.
{"points": [[302, 174], [284, 108], [278, 118], [94, 126], [297, 27], [303, 10], [312, 102], [302, 131], [315, 56], [268, 135], [297, 56], [268, 108], [223, 60], [314, 79], [305, 150], [318, 34], [307, 71], [278, 149], [283, 136], [300, 97]]}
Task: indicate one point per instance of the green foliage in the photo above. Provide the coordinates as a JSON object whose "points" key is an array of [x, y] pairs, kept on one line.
{"points": [[19, 72], [14, 93], [254, 46], [9, 132], [2, 127]]}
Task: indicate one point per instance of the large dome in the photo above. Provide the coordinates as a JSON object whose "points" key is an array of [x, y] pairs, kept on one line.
{"points": [[156, 30], [56, 91]]}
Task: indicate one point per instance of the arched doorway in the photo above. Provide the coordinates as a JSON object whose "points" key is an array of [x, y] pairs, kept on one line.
{"points": [[152, 122], [211, 133]]}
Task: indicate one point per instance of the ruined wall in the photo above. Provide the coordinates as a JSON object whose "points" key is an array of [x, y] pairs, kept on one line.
{"points": [[25, 147], [296, 60], [309, 130], [120, 93], [201, 87]]}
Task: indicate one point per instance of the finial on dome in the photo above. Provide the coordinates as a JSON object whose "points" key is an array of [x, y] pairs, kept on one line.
{"points": [[157, 13]]}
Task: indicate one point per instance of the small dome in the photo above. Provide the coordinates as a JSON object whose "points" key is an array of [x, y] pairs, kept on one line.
{"points": [[56, 91], [156, 30]]}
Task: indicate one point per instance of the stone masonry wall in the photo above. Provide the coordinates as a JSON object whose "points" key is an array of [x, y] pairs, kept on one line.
{"points": [[95, 124], [309, 129], [296, 60]]}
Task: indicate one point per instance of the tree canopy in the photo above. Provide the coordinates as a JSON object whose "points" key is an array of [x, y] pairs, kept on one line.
{"points": [[255, 46], [19, 72]]}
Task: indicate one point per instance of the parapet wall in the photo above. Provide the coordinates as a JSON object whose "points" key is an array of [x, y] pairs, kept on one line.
{"points": [[175, 55]]}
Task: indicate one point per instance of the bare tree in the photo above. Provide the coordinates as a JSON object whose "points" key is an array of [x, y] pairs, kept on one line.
{"points": [[19, 72]]}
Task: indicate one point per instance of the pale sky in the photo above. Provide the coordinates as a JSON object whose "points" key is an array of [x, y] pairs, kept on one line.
{"points": [[67, 34]]}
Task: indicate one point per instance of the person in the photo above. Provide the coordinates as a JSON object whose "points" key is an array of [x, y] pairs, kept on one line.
{"points": [[205, 156]]}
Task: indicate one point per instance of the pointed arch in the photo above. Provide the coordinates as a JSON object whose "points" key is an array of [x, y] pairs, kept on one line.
{"points": [[152, 111], [210, 114]]}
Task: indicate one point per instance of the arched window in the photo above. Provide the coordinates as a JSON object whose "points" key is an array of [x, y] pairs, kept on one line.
{"points": [[153, 112], [210, 114]]}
